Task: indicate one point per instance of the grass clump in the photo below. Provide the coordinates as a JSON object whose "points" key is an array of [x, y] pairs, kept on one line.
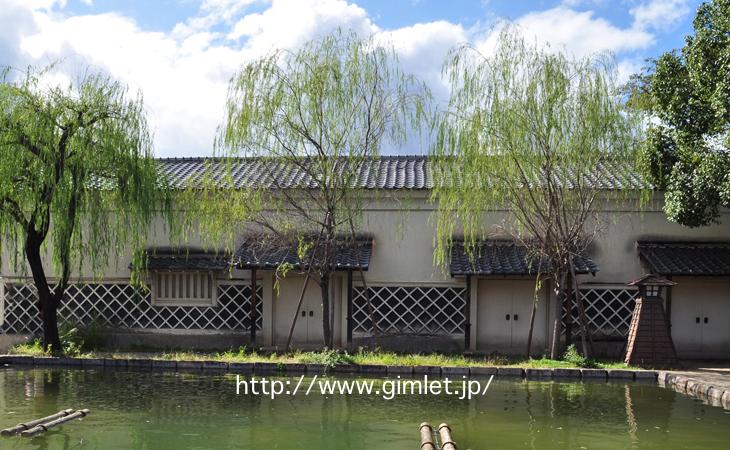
{"points": [[77, 341], [32, 348], [574, 358], [379, 357], [75, 345], [327, 357]]}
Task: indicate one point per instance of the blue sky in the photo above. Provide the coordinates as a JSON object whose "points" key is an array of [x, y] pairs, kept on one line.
{"points": [[181, 53]]}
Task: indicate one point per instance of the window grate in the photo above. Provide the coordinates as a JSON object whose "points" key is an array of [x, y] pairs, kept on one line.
{"points": [[410, 310], [608, 311], [117, 305], [183, 288]]}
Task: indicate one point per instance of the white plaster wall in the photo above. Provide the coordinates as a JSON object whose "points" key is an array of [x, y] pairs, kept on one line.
{"points": [[404, 235], [615, 250]]}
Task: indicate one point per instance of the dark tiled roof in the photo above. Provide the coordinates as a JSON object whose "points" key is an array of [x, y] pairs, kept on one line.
{"points": [[385, 172], [185, 259], [502, 257], [259, 254], [686, 258]]}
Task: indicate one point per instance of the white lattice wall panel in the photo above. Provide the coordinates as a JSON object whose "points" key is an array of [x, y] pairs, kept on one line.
{"points": [[608, 311], [410, 309], [119, 305]]}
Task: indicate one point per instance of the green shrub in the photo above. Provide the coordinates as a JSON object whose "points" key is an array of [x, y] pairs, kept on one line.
{"points": [[240, 354], [327, 357], [572, 356], [71, 339], [79, 338], [32, 348]]}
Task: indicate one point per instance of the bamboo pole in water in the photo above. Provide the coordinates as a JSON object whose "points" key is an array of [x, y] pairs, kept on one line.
{"points": [[446, 442], [426, 437], [28, 425], [48, 425]]}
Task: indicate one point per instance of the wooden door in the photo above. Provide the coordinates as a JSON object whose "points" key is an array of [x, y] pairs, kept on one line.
{"points": [[523, 294], [504, 308], [715, 332], [284, 307], [315, 333], [686, 319], [494, 332]]}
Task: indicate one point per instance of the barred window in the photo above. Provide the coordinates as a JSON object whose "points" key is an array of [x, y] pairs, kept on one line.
{"points": [[123, 306], [608, 311], [183, 288], [431, 310]]}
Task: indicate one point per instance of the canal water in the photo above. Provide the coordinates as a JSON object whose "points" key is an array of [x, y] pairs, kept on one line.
{"points": [[157, 411]]}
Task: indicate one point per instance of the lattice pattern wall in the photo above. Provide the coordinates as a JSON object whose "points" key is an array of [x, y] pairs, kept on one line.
{"points": [[119, 305], [410, 310], [608, 311]]}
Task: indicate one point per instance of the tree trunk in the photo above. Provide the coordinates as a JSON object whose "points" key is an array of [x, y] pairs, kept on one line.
{"points": [[51, 339], [532, 318], [586, 339], [568, 299], [369, 303], [47, 301], [557, 324], [532, 326], [296, 313], [326, 329]]}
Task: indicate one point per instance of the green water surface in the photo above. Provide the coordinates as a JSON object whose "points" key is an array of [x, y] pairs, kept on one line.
{"points": [[155, 410]]}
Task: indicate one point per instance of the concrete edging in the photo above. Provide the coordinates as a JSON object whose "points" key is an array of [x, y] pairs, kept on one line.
{"points": [[299, 368], [715, 396]]}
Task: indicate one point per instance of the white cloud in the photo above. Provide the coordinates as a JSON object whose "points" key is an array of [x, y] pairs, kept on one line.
{"points": [[581, 32], [422, 48], [574, 3], [628, 67], [184, 72], [44, 4], [211, 13], [184, 81], [659, 14], [287, 23], [183, 75]]}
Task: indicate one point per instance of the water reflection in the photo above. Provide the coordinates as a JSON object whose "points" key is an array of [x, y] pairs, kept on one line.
{"points": [[166, 410]]}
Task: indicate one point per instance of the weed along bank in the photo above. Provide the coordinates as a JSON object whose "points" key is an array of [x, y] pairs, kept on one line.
{"points": [[385, 289]]}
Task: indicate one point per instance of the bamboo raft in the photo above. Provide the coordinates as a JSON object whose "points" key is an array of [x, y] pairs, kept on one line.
{"points": [[38, 426], [436, 440]]}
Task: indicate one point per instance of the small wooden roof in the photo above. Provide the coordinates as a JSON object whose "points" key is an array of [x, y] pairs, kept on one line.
{"points": [[651, 279]]}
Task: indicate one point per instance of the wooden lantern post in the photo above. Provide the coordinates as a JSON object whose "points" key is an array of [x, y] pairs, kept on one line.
{"points": [[650, 341]]}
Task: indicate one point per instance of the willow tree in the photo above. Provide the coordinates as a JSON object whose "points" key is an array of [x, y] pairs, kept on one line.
{"points": [[77, 180], [529, 130], [315, 119]]}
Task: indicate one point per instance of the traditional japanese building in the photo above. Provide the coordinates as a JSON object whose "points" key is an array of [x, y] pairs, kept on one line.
{"points": [[198, 298]]}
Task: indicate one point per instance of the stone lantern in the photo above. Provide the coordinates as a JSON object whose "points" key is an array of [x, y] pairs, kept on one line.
{"points": [[650, 341]]}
